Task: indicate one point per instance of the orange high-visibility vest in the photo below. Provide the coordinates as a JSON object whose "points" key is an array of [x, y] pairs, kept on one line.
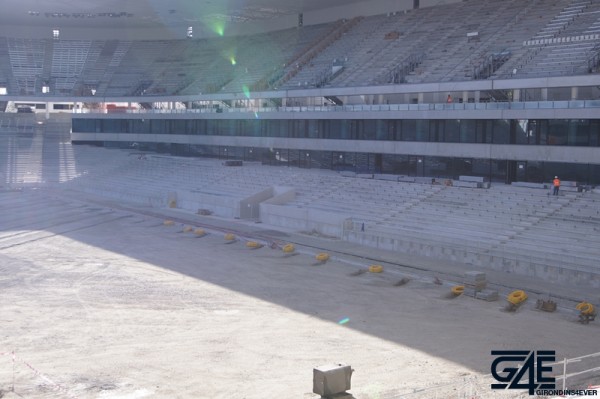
{"points": [[556, 182]]}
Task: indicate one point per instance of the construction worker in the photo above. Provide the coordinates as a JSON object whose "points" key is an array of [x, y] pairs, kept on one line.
{"points": [[556, 184]]}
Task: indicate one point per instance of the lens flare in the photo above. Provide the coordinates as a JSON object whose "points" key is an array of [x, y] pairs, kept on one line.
{"points": [[246, 91], [229, 53], [344, 321], [218, 27]]}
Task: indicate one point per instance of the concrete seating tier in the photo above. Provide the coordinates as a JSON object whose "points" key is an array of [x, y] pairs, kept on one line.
{"points": [[531, 252], [506, 227], [155, 180], [503, 222], [370, 49], [27, 62], [68, 60]]}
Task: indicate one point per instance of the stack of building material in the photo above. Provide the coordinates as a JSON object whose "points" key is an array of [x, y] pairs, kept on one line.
{"points": [[487, 295], [474, 282], [475, 286]]}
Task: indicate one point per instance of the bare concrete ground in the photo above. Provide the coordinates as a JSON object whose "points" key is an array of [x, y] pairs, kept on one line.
{"points": [[101, 303]]}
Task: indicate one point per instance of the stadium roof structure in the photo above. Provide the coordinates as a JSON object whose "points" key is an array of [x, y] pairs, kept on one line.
{"points": [[152, 13]]}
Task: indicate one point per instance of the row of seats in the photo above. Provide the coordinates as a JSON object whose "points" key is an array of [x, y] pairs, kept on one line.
{"points": [[367, 49], [504, 221]]}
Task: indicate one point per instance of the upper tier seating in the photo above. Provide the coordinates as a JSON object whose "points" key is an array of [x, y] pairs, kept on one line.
{"points": [[472, 39]]}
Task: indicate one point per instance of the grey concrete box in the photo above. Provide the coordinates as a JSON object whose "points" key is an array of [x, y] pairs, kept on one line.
{"points": [[386, 177], [530, 185], [423, 180], [331, 379], [468, 184], [406, 179], [477, 286], [477, 179], [473, 276], [487, 295]]}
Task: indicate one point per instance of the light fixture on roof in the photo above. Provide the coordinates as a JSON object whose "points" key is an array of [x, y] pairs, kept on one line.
{"points": [[3, 91], [45, 88], [55, 34], [190, 32]]}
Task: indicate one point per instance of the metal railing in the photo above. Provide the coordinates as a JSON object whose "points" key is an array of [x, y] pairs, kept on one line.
{"points": [[575, 104]]}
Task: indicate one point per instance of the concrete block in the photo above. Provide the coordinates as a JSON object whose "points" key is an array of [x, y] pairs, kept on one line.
{"points": [[568, 183], [347, 173], [458, 183], [364, 176], [331, 379], [406, 179], [477, 179], [477, 286], [474, 275], [529, 185], [570, 188], [487, 295], [423, 180], [386, 177]]}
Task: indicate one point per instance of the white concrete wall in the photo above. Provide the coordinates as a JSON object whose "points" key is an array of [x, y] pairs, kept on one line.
{"points": [[529, 267], [302, 219], [248, 205], [282, 195], [217, 204]]}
